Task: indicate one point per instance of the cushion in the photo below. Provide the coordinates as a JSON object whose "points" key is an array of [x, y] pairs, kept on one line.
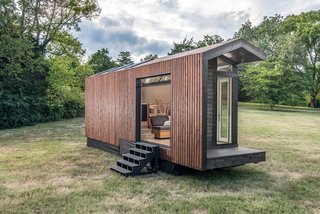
{"points": [[161, 127], [166, 123], [158, 120]]}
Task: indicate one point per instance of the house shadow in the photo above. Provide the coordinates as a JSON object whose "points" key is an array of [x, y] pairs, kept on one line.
{"points": [[233, 178]]}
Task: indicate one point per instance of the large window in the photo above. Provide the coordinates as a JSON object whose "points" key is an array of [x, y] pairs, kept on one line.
{"points": [[155, 109]]}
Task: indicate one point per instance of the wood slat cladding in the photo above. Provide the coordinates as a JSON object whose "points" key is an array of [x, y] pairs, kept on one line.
{"points": [[111, 107]]}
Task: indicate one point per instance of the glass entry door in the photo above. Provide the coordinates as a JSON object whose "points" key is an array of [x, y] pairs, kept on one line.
{"points": [[224, 109]]}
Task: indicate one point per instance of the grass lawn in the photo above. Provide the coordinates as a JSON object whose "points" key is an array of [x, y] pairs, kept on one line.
{"points": [[47, 168]]}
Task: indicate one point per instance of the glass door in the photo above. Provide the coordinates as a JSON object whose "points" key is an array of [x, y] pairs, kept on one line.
{"points": [[224, 99]]}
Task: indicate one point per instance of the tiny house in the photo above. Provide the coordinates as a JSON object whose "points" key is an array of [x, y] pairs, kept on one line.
{"points": [[186, 104]]}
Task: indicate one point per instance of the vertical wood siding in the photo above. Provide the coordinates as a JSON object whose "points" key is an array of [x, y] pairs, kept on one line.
{"points": [[111, 106]]}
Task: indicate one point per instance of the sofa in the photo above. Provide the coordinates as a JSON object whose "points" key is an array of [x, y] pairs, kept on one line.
{"points": [[160, 130]]}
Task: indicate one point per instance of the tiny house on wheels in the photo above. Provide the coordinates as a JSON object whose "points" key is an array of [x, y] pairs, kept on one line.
{"points": [[181, 109]]}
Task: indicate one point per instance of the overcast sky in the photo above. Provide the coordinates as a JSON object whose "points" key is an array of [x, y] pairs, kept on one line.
{"points": [[151, 26]]}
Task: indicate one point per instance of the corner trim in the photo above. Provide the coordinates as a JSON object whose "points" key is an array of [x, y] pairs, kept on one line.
{"points": [[204, 111]]}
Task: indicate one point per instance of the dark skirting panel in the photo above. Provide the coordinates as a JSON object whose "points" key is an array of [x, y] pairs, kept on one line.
{"points": [[103, 146]]}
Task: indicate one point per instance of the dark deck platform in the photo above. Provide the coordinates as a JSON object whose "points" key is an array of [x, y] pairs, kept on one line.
{"points": [[235, 156]]}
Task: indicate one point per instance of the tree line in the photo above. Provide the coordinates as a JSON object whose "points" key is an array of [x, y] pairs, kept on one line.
{"points": [[42, 66], [41, 70], [291, 73]]}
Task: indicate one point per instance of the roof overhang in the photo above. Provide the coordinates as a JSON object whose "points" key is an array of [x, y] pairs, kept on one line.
{"points": [[238, 51]]}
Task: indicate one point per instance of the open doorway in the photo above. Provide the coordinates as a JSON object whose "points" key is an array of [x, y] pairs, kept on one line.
{"points": [[153, 109]]}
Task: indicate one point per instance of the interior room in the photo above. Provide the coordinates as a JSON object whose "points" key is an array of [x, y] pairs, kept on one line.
{"points": [[155, 109]]}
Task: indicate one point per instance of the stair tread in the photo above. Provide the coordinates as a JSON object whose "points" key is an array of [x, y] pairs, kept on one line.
{"points": [[120, 169], [133, 156], [141, 151], [127, 163], [147, 144]]}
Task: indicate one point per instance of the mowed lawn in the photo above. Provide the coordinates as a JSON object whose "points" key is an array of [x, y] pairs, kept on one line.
{"points": [[47, 168]]}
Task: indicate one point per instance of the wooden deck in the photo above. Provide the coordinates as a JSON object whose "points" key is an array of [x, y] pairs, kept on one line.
{"points": [[235, 156], [146, 135]]}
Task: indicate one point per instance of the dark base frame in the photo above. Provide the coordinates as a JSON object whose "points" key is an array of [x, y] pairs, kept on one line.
{"points": [[103, 146]]}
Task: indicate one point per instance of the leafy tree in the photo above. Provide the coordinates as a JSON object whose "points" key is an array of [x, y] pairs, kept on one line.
{"points": [[30, 33], [101, 60], [271, 38], [43, 20], [189, 44], [65, 96], [64, 44], [209, 40], [246, 32], [262, 82], [22, 83], [306, 29], [149, 57], [267, 35], [124, 58], [289, 54], [185, 45]]}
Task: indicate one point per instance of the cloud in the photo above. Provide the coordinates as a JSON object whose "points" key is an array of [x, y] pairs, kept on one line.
{"points": [[118, 35], [169, 4], [151, 26], [219, 23]]}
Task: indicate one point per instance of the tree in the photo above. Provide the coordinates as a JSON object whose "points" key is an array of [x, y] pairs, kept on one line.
{"points": [[43, 20], [306, 29], [262, 81], [288, 56], [64, 95], [209, 40], [101, 60], [185, 45], [32, 34], [189, 44], [246, 32], [124, 58], [270, 37], [22, 83], [267, 35], [64, 44], [149, 57]]}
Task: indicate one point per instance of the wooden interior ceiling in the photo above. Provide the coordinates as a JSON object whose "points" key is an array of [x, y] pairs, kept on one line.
{"points": [[241, 55]]}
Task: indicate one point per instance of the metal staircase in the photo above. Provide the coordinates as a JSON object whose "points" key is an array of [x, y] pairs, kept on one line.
{"points": [[138, 158]]}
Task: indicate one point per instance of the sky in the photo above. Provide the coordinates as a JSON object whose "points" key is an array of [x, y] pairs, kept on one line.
{"points": [[150, 26]]}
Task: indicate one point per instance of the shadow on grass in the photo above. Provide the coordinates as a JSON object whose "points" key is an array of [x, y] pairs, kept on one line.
{"points": [[234, 179]]}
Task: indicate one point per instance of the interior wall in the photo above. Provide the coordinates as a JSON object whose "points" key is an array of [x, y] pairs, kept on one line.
{"points": [[150, 93]]}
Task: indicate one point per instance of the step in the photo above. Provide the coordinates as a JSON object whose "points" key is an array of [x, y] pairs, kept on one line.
{"points": [[126, 164], [129, 157], [146, 146], [140, 152], [121, 170]]}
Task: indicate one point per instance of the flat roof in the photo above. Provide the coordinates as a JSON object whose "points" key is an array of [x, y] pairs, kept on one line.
{"points": [[237, 50]]}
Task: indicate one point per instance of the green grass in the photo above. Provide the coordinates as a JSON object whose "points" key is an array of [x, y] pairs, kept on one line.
{"points": [[47, 168]]}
